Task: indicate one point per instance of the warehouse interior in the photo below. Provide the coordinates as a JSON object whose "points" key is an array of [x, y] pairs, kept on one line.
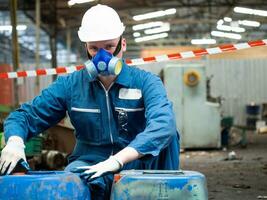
{"points": [[219, 96]]}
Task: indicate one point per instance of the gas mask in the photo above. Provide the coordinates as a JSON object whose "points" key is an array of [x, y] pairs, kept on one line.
{"points": [[103, 63]]}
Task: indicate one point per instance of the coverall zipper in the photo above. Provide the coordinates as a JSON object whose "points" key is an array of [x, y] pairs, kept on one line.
{"points": [[108, 108]]}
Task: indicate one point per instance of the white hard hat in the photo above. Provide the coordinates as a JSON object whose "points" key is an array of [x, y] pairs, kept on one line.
{"points": [[99, 23]]}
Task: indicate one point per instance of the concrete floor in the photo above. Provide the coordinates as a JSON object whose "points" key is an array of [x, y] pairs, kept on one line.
{"points": [[243, 178]]}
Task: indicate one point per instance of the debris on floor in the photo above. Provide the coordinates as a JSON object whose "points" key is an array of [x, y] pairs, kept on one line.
{"points": [[242, 177]]}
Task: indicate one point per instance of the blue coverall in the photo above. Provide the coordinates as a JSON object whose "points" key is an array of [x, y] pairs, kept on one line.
{"points": [[133, 112]]}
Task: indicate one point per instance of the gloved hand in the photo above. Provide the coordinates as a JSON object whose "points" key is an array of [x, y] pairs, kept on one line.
{"points": [[11, 154], [110, 165]]}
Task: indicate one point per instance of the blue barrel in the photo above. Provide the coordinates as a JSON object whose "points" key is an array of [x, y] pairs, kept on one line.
{"points": [[43, 185], [159, 184], [253, 109]]}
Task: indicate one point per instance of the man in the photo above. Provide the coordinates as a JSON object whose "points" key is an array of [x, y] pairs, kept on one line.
{"points": [[121, 114]]}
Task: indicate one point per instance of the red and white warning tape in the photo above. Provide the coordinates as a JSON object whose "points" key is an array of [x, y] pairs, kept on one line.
{"points": [[141, 61], [41, 72]]}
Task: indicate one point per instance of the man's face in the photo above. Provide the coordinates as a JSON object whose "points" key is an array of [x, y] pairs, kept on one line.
{"points": [[108, 45]]}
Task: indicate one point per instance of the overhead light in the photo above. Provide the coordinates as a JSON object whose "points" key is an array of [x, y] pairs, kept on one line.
{"points": [[164, 28], [21, 27], [249, 23], [151, 37], [220, 22], [250, 11], [147, 25], [150, 15], [136, 34], [48, 56], [9, 28], [5, 28], [73, 2], [203, 41], [231, 28], [227, 19], [226, 35]]}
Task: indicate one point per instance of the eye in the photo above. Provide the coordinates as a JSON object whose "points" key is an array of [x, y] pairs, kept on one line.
{"points": [[109, 47], [93, 48]]}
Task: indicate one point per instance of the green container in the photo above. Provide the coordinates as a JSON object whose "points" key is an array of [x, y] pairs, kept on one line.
{"points": [[5, 109], [34, 146], [227, 122], [1, 144]]}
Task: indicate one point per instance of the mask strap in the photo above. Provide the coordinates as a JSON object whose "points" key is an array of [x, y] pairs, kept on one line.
{"points": [[118, 47], [89, 56]]}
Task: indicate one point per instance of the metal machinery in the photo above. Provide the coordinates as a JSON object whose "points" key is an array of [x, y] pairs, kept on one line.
{"points": [[198, 120]]}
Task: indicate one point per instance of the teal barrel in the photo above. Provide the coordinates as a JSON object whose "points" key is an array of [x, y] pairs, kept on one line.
{"points": [[159, 185], [43, 185]]}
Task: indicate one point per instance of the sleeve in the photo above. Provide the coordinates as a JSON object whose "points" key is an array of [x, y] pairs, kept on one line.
{"points": [[160, 120], [42, 112]]}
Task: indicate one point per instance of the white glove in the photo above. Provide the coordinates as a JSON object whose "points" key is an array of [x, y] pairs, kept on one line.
{"points": [[112, 164], [11, 154]]}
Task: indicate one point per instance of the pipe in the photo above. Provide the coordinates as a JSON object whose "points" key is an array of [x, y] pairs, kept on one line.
{"points": [[15, 47], [68, 42], [37, 41]]}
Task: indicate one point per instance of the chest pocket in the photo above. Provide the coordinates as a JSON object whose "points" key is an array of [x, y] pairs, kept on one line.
{"points": [[130, 121], [87, 124]]}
